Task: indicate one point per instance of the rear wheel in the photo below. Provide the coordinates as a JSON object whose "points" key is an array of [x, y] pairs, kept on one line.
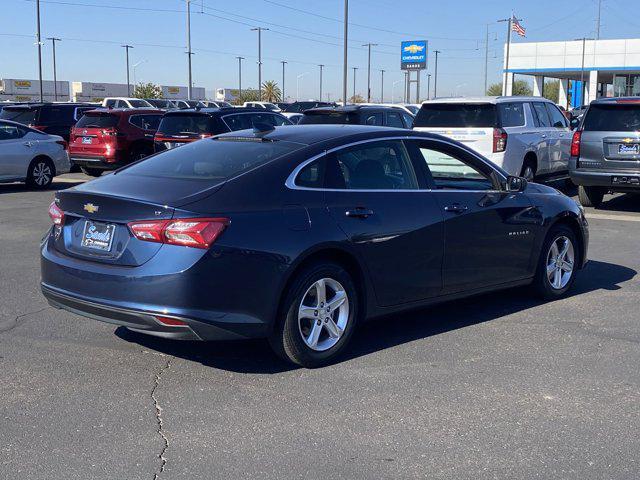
{"points": [[557, 263], [41, 173], [92, 172], [528, 169], [591, 196], [319, 316]]}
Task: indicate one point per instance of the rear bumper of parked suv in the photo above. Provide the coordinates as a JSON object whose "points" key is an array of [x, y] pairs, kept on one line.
{"points": [[96, 161], [612, 179]]}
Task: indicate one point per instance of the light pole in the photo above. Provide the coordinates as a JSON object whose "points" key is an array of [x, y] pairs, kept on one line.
{"points": [[298, 85], [321, 67], [127, 47], [133, 67], [428, 86], [344, 64], [55, 76], [435, 75], [189, 52], [240, 76], [584, 42], [393, 90], [39, 40], [354, 83], [382, 87], [369, 45], [283, 64], [259, 30]]}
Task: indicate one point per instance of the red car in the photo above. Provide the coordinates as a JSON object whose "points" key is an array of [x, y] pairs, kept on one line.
{"points": [[106, 139]]}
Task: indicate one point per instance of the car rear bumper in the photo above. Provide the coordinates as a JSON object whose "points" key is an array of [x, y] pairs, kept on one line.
{"points": [[626, 180], [98, 162]]}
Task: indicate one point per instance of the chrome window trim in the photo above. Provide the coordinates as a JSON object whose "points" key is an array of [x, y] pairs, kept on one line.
{"points": [[290, 182]]}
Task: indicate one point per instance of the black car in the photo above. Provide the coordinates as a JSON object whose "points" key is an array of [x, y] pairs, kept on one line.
{"points": [[178, 127], [300, 233], [299, 107], [358, 115], [52, 118], [161, 103]]}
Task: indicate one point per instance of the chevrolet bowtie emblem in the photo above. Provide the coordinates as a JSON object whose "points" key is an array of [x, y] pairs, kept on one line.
{"points": [[413, 48], [91, 208], [627, 140]]}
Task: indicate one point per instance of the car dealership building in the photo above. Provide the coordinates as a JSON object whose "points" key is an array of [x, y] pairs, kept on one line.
{"points": [[586, 69]]}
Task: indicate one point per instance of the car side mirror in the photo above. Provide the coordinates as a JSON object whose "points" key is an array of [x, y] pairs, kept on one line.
{"points": [[516, 184], [574, 122]]}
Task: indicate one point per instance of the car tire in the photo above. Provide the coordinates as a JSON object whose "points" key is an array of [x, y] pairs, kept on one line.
{"points": [[92, 172], [138, 153], [554, 279], [528, 170], [303, 334], [41, 172], [590, 196]]}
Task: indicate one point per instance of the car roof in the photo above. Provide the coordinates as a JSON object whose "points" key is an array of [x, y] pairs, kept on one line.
{"points": [[27, 106], [614, 100], [493, 100], [213, 111], [310, 134], [348, 109], [130, 111]]}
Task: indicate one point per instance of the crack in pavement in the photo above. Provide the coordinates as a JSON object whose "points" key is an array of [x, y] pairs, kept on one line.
{"points": [[14, 323], [156, 404]]}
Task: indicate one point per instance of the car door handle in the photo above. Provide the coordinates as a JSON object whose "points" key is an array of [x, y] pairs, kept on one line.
{"points": [[359, 212], [28, 144], [544, 135], [456, 208]]}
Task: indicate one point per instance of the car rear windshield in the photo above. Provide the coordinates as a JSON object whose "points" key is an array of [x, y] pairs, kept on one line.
{"points": [[329, 118], [613, 118], [21, 115], [195, 124], [97, 120], [211, 160], [456, 115]]}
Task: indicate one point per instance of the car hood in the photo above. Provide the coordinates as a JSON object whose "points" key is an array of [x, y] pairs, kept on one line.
{"points": [[538, 188]]}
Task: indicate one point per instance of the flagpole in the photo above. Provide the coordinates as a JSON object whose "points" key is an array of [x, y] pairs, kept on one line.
{"points": [[506, 70]]}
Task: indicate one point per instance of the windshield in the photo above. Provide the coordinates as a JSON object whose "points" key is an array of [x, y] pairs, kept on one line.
{"points": [[139, 103], [213, 160], [613, 118], [97, 120], [456, 115], [20, 115], [186, 125], [329, 118]]}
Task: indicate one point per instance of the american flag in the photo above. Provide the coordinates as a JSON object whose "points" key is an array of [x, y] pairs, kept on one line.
{"points": [[516, 27]]}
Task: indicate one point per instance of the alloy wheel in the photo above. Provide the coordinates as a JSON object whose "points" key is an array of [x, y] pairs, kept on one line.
{"points": [[560, 262], [41, 173], [528, 173], [323, 314]]}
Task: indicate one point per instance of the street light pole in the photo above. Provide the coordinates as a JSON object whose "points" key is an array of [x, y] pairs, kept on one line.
{"points": [[382, 86], [298, 85], [428, 86], [354, 82], [189, 52], [321, 67], [486, 59], [55, 76], [39, 40], [435, 76], [344, 64], [393, 90], [240, 76], [369, 45], [259, 30], [127, 47], [283, 64]]}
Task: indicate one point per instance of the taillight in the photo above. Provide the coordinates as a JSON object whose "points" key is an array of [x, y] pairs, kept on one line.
{"points": [[188, 232], [42, 128], [56, 214], [575, 143], [170, 322], [499, 140], [64, 144]]}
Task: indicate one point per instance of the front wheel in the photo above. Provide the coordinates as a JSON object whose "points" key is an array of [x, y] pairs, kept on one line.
{"points": [[319, 316], [41, 173], [558, 263]]}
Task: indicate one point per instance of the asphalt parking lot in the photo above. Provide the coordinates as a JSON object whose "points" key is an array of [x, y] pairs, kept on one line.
{"points": [[498, 386]]}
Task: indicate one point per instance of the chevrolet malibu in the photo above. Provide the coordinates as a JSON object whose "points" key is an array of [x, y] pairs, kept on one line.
{"points": [[299, 234]]}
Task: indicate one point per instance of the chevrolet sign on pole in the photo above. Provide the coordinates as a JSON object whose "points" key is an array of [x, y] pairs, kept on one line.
{"points": [[413, 55]]}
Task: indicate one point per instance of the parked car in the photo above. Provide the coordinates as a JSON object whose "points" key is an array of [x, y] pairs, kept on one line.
{"points": [[184, 126], [263, 105], [187, 104], [108, 139], [125, 102], [526, 136], [31, 156], [298, 234], [407, 107], [605, 151], [358, 115], [300, 107], [578, 112], [52, 118], [293, 117], [216, 104], [161, 103]]}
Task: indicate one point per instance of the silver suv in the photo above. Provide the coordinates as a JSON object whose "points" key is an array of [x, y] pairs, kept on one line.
{"points": [[605, 149]]}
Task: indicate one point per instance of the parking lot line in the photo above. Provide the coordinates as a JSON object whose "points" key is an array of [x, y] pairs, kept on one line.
{"points": [[624, 218]]}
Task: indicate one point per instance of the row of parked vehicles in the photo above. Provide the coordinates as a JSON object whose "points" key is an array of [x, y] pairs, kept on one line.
{"points": [[525, 136]]}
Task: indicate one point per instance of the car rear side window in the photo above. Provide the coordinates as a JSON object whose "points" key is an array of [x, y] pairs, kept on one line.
{"points": [[146, 122], [456, 115], [312, 176], [211, 160], [382, 165], [197, 124], [394, 120], [373, 119], [613, 118], [558, 120], [511, 114], [329, 118], [541, 115], [26, 116]]}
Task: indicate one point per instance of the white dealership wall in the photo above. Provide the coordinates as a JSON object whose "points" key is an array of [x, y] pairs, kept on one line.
{"points": [[564, 60], [24, 90]]}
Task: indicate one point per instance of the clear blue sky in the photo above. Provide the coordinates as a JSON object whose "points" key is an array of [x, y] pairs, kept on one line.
{"points": [[93, 30]]}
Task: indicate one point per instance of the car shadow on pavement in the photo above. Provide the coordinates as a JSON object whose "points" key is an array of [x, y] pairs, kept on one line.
{"points": [[627, 202], [255, 356], [21, 187]]}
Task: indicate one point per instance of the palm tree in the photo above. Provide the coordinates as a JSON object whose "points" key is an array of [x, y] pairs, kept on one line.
{"points": [[270, 91]]}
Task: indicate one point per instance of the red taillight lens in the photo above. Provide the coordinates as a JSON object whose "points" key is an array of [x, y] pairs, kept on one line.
{"points": [[63, 143], [171, 322], [188, 232], [56, 214], [499, 140], [575, 143]]}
